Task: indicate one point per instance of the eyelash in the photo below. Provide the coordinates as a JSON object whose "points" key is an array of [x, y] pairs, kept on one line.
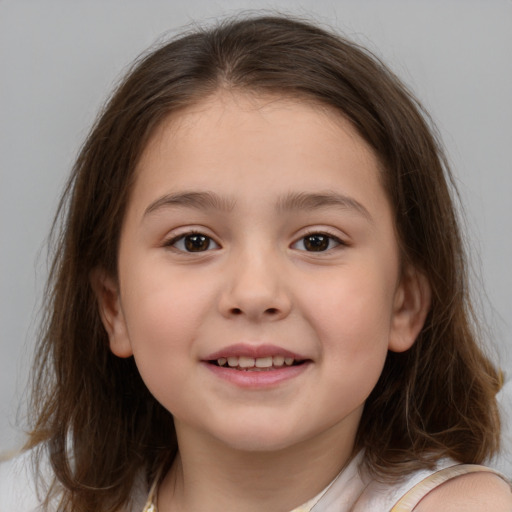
{"points": [[209, 240], [171, 243], [330, 238]]}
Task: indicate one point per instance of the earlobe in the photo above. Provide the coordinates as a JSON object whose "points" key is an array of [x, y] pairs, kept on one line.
{"points": [[411, 306], [106, 290]]}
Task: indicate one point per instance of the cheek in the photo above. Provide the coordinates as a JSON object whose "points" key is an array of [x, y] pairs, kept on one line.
{"points": [[356, 308], [352, 319], [161, 333], [161, 303], [162, 315]]}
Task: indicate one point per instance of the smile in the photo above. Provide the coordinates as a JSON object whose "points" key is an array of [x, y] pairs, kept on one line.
{"points": [[244, 363], [255, 367]]}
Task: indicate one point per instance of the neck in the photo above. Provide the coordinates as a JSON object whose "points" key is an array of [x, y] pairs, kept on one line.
{"points": [[208, 475]]}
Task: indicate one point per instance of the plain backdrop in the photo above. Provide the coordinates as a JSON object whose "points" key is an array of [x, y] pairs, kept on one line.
{"points": [[60, 59]]}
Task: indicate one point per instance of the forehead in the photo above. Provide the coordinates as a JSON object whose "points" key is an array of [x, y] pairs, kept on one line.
{"points": [[243, 143]]}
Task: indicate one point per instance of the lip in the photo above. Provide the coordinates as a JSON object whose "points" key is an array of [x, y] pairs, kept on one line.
{"points": [[255, 351], [258, 379], [253, 379]]}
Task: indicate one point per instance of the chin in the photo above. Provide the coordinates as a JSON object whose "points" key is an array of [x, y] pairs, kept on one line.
{"points": [[259, 438]]}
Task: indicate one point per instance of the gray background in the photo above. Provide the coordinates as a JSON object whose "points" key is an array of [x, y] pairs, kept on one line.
{"points": [[60, 59]]}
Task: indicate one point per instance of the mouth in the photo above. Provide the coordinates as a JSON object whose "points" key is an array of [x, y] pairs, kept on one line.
{"points": [[256, 364], [257, 367]]}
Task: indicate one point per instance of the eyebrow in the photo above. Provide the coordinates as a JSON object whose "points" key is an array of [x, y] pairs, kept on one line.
{"points": [[290, 202], [316, 201], [197, 200]]}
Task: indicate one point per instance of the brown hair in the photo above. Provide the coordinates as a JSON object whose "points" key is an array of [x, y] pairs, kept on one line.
{"points": [[92, 411]]}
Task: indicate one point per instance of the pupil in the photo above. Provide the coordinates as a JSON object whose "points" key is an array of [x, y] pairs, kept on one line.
{"points": [[316, 242], [196, 243]]}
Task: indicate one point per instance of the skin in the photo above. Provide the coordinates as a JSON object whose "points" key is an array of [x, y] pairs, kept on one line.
{"points": [[258, 283], [473, 492]]}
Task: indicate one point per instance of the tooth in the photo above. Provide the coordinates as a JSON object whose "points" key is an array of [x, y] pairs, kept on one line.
{"points": [[288, 361], [222, 361], [278, 360], [246, 362], [263, 362], [233, 361]]}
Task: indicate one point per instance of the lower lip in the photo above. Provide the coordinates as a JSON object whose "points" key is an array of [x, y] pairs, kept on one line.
{"points": [[258, 379]]}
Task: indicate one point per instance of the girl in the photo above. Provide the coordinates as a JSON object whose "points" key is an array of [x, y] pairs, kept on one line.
{"points": [[259, 299]]}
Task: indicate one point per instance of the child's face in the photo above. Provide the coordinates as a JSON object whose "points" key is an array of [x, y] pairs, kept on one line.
{"points": [[258, 230]]}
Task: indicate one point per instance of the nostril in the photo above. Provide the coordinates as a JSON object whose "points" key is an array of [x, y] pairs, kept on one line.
{"points": [[271, 311], [236, 311]]}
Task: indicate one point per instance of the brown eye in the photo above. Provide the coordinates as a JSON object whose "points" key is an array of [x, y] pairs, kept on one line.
{"points": [[317, 242], [197, 243], [193, 242]]}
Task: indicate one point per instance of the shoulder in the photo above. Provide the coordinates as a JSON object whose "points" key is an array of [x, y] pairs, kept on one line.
{"points": [[447, 487], [471, 492]]}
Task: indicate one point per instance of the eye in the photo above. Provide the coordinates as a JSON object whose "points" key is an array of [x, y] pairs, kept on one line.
{"points": [[193, 242], [317, 242]]}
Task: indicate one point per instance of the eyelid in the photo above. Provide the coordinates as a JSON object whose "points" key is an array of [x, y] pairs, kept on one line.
{"points": [[173, 239], [320, 231]]}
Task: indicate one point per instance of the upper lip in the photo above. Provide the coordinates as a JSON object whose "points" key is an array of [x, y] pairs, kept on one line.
{"points": [[254, 351]]}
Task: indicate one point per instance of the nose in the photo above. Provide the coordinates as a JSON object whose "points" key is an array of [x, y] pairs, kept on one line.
{"points": [[255, 288]]}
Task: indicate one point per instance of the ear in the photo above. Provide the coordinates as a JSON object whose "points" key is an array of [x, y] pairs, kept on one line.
{"points": [[410, 309], [106, 289]]}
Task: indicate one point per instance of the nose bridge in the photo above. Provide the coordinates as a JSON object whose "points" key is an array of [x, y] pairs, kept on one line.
{"points": [[255, 285]]}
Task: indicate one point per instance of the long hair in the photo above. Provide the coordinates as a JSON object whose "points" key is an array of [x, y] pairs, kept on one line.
{"points": [[93, 414]]}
